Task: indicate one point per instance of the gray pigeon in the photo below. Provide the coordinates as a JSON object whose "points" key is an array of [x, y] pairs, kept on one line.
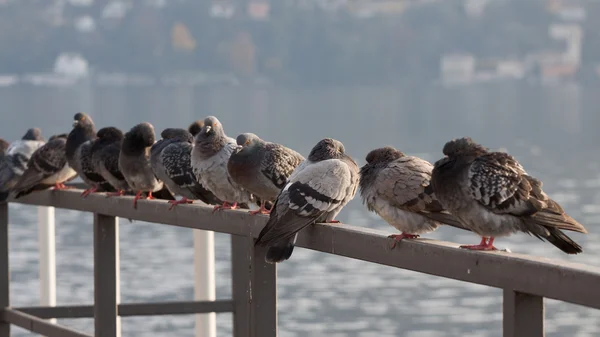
{"points": [[47, 166], [196, 127], [262, 168], [397, 188], [105, 159], [171, 162], [316, 191], [211, 152], [15, 160], [492, 195], [134, 161], [79, 154], [3, 147]]}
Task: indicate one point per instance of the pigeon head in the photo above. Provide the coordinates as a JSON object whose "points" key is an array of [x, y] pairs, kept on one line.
{"points": [[383, 155], [138, 138], [3, 146], [196, 127], [463, 147], [82, 119], [211, 138], [33, 134], [212, 126], [110, 134], [327, 148], [248, 140], [174, 133]]}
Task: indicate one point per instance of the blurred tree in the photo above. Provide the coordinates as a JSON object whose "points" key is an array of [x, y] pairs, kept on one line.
{"points": [[242, 54]]}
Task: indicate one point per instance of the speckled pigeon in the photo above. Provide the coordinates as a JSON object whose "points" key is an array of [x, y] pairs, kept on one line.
{"points": [[211, 152], [105, 159], [15, 160], [171, 161], [134, 161], [261, 167], [397, 188], [492, 195], [316, 191], [47, 166]]}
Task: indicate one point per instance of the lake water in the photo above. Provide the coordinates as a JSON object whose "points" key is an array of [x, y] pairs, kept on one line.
{"points": [[552, 131]]}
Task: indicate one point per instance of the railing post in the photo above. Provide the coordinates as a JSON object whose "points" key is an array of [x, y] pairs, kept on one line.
{"points": [[264, 295], [523, 314], [204, 280], [47, 252], [240, 281], [254, 290], [4, 267], [106, 276]]}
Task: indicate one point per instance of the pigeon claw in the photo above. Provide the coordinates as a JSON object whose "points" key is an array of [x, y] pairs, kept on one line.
{"points": [[399, 237], [115, 194], [262, 210], [184, 200], [61, 186], [89, 191], [137, 197], [485, 244], [225, 205]]}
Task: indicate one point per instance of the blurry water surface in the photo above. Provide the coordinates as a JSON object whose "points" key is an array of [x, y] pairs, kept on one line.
{"points": [[552, 131]]}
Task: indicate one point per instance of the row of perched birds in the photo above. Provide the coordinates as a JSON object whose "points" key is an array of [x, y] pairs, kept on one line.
{"points": [[472, 188]]}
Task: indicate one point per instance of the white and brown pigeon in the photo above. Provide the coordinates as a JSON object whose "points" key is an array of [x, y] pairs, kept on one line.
{"points": [[47, 167], [492, 195], [397, 187], [316, 191], [210, 155], [262, 167], [14, 162], [134, 161]]}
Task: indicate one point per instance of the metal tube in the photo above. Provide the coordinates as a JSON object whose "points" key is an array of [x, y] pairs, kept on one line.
{"points": [[47, 252], [4, 268], [204, 280]]}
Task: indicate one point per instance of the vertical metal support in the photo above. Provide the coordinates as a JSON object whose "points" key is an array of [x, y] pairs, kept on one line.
{"points": [[264, 295], [240, 280], [204, 280], [4, 267], [254, 290], [106, 274], [47, 252], [523, 314]]}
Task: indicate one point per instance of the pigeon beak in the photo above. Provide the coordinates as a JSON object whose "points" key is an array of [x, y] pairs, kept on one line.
{"points": [[239, 147], [208, 128]]}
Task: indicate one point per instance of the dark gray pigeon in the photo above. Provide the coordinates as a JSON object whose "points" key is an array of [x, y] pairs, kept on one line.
{"points": [[196, 127], [3, 163], [105, 159], [79, 154], [397, 187], [15, 160], [492, 195], [171, 161], [316, 191], [211, 152], [47, 166], [134, 161], [262, 168]]}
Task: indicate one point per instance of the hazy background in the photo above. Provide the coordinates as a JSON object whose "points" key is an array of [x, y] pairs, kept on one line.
{"points": [[519, 75]]}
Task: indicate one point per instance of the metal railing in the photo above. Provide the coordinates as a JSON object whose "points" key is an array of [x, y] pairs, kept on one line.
{"points": [[525, 280]]}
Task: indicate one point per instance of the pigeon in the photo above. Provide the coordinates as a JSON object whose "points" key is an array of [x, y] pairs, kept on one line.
{"points": [[316, 191], [15, 160], [134, 161], [261, 167], [397, 187], [79, 154], [105, 159], [47, 166], [3, 147], [196, 127], [171, 162], [492, 195], [211, 152]]}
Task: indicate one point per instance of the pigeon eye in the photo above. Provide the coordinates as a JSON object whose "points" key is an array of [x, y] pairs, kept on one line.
{"points": [[247, 142]]}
